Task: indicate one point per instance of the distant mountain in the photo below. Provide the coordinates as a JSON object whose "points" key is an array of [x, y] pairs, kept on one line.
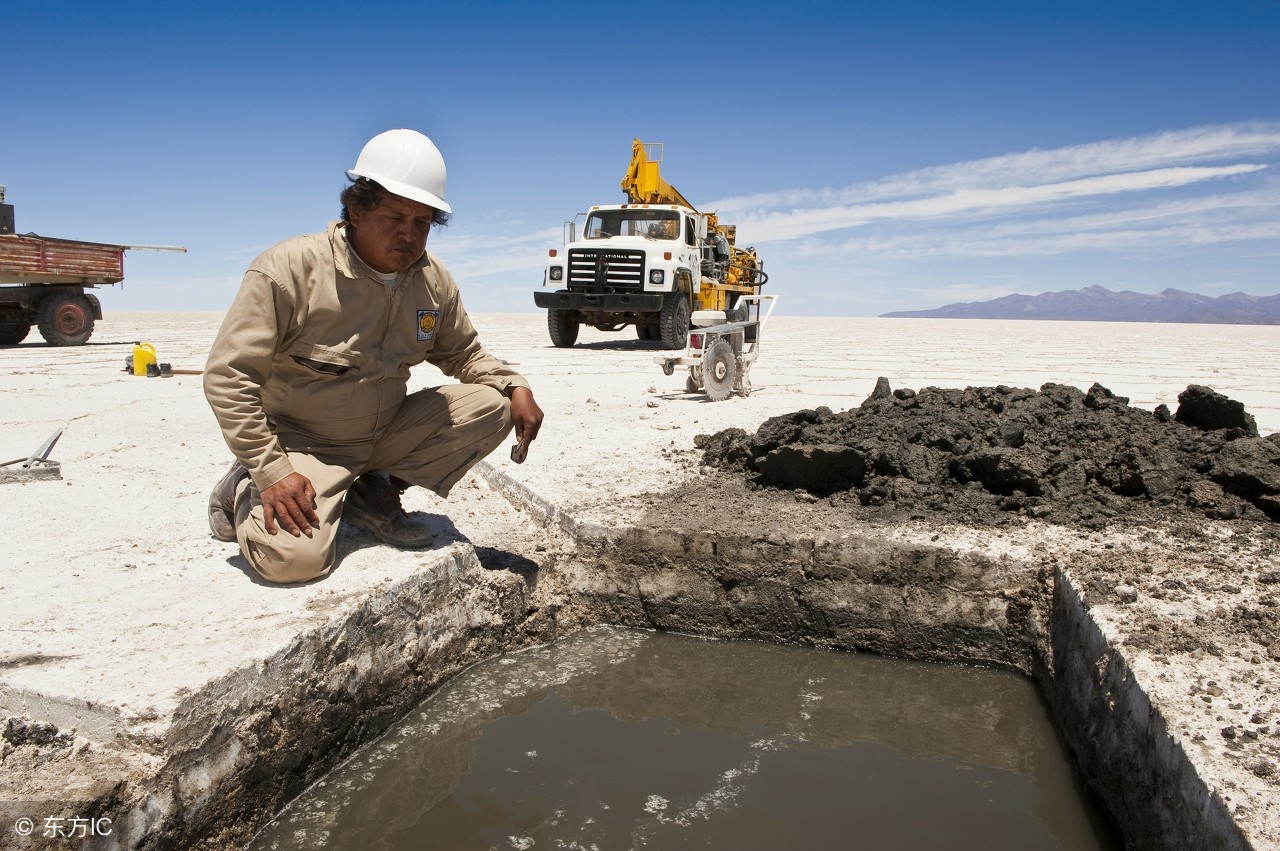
{"points": [[1099, 304]]}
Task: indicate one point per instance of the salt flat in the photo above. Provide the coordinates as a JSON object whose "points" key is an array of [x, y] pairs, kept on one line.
{"points": [[119, 605]]}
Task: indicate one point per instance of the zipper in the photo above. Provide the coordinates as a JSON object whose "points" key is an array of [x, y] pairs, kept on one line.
{"points": [[470, 460]]}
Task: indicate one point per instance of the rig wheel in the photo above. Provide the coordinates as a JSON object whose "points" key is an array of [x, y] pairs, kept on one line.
{"points": [[673, 323], [563, 326]]}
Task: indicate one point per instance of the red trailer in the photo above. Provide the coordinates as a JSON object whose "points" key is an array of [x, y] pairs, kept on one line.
{"points": [[43, 282], [52, 275]]}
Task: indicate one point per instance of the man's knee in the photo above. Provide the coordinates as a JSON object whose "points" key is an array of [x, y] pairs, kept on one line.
{"points": [[284, 559], [490, 405], [483, 416]]}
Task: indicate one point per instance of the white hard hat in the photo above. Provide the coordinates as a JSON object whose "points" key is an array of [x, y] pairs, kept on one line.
{"points": [[407, 164]]}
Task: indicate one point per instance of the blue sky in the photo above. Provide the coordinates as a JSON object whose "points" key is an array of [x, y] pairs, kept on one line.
{"points": [[880, 155]]}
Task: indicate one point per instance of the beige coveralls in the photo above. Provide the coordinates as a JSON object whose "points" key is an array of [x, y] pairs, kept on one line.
{"points": [[308, 373]]}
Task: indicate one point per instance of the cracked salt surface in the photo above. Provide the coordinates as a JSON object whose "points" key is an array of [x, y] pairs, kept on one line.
{"points": [[625, 739]]}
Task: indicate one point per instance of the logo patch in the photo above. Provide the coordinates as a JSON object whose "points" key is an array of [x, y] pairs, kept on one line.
{"points": [[427, 320]]}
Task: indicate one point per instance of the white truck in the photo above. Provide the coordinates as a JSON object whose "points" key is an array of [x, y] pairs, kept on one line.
{"points": [[650, 263]]}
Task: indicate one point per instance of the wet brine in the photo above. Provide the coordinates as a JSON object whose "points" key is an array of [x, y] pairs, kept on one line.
{"points": [[616, 739]]}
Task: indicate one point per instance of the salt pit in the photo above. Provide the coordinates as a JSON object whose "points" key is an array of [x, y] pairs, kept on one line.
{"points": [[616, 738]]}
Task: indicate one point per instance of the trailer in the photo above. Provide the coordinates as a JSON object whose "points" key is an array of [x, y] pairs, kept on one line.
{"points": [[722, 347], [43, 282]]}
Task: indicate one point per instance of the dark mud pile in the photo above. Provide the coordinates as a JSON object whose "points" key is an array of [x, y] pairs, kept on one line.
{"points": [[991, 455]]}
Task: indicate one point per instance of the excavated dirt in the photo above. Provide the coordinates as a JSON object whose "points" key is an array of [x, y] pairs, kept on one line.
{"points": [[1198, 488], [994, 455]]}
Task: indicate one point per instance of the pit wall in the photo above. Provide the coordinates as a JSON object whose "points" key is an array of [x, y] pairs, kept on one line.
{"points": [[245, 746], [1121, 743], [932, 603]]}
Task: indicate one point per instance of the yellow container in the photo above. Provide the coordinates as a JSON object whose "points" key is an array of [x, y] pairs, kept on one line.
{"points": [[143, 354]]}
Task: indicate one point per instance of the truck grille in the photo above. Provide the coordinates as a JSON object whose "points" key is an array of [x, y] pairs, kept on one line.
{"points": [[606, 270]]}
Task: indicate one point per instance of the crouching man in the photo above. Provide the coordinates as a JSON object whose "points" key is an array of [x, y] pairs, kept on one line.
{"points": [[308, 375]]}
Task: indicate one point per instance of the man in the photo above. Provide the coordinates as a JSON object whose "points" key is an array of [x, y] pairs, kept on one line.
{"points": [[307, 376]]}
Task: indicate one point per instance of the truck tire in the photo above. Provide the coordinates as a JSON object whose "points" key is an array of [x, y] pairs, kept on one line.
{"points": [[563, 326], [673, 322], [14, 326], [642, 331], [65, 319]]}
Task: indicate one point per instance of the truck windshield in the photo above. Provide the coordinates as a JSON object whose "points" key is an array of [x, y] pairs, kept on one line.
{"points": [[653, 224]]}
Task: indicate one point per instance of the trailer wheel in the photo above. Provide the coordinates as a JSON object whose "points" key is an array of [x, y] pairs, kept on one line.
{"points": [[65, 319], [14, 327], [563, 326], [719, 370], [673, 323]]}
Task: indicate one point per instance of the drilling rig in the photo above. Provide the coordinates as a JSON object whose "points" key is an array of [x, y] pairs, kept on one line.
{"points": [[651, 263]]}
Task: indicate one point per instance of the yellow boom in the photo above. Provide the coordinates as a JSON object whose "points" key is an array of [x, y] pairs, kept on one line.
{"points": [[642, 182]]}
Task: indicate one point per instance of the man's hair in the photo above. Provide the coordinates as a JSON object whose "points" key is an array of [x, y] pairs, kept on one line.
{"points": [[366, 195]]}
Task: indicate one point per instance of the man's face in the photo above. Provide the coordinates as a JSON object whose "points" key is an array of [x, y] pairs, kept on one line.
{"points": [[393, 235]]}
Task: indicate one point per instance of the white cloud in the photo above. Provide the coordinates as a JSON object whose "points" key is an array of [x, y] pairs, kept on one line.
{"points": [[1200, 221], [1108, 194], [1213, 144], [974, 201]]}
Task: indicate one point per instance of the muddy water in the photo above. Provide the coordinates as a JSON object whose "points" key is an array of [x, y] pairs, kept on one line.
{"points": [[625, 739]]}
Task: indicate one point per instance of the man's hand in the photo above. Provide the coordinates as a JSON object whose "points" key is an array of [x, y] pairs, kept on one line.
{"points": [[292, 501], [526, 414]]}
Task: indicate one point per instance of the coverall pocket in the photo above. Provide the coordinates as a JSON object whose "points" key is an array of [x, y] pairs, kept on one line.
{"points": [[323, 360]]}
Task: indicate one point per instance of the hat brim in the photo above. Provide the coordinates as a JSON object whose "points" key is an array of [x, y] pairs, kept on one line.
{"points": [[405, 190]]}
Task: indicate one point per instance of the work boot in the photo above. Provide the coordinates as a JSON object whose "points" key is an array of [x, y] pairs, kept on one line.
{"points": [[373, 504], [222, 503]]}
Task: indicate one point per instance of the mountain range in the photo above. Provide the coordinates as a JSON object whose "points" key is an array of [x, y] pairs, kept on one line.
{"points": [[1099, 304]]}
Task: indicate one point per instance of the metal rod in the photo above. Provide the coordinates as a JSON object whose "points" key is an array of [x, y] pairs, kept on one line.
{"points": [[42, 453]]}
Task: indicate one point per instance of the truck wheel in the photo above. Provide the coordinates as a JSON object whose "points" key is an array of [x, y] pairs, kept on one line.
{"points": [[642, 331], [673, 323], [65, 319], [14, 327], [563, 327]]}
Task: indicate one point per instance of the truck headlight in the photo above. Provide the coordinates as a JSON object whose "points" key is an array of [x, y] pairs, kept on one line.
{"points": [[557, 273], [656, 276]]}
